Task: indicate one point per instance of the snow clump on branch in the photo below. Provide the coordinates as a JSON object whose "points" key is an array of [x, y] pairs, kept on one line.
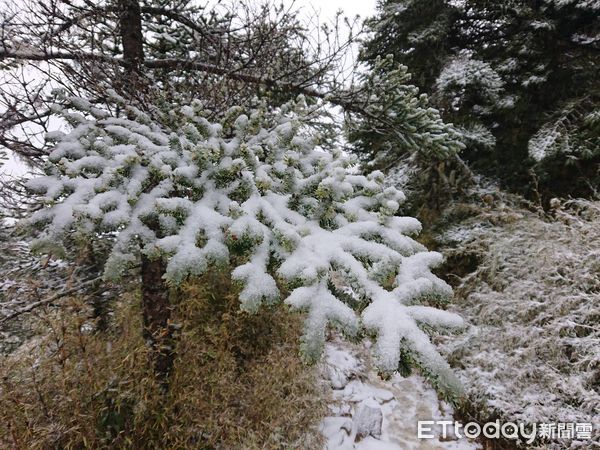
{"points": [[253, 193]]}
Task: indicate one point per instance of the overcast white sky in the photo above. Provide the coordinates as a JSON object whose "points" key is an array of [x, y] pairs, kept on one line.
{"points": [[326, 10], [350, 8]]}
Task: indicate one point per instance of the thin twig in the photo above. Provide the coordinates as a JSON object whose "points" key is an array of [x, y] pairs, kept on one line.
{"points": [[49, 300]]}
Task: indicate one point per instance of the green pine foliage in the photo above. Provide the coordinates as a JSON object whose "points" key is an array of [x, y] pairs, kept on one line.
{"points": [[254, 196], [518, 79], [398, 121]]}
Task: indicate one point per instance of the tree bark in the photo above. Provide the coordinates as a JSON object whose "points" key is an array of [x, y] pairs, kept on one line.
{"points": [[156, 310], [130, 27], [100, 303], [130, 22]]}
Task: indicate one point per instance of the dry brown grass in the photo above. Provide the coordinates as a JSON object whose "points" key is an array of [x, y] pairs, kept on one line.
{"points": [[238, 381]]}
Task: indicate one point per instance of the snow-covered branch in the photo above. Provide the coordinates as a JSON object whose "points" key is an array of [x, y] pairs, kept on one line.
{"points": [[252, 194]]}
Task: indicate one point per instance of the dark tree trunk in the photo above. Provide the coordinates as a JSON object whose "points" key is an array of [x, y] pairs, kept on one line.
{"points": [[156, 311], [156, 308], [130, 22], [130, 25], [100, 302]]}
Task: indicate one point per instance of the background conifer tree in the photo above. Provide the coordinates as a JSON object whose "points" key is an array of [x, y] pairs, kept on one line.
{"points": [[517, 78]]}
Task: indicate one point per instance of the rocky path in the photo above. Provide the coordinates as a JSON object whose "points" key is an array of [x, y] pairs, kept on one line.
{"points": [[369, 413]]}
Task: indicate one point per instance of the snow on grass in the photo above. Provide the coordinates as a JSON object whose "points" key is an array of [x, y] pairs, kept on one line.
{"points": [[533, 352]]}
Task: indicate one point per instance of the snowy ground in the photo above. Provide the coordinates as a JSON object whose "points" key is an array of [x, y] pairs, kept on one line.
{"points": [[532, 353], [369, 413]]}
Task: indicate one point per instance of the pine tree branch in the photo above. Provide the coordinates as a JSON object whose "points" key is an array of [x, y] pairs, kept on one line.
{"points": [[152, 10], [349, 104], [6, 121], [179, 64], [57, 56]]}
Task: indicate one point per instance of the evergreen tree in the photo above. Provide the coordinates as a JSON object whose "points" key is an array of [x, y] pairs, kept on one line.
{"points": [[399, 127], [222, 54], [175, 189], [518, 78], [264, 41], [417, 32], [252, 195]]}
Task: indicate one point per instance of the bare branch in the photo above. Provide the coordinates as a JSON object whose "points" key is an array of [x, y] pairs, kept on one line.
{"points": [[51, 299]]}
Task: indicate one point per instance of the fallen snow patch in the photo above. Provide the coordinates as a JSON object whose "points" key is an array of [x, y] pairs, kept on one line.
{"points": [[370, 413]]}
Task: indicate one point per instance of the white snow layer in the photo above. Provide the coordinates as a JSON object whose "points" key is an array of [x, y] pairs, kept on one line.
{"points": [[368, 413], [258, 197], [532, 353]]}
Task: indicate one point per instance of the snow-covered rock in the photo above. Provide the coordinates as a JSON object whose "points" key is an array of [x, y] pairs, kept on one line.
{"points": [[358, 391], [368, 419], [332, 425], [341, 367], [368, 413]]}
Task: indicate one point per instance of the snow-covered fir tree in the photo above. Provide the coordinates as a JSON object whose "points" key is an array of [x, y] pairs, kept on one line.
{"points": [[417, 32], [518, 79], [398, 120], [256, 195], [399, 128]]}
